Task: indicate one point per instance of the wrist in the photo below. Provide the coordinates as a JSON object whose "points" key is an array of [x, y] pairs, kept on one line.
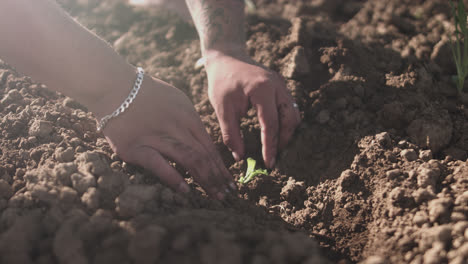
{"points": [[233, 51], [110, 92]]}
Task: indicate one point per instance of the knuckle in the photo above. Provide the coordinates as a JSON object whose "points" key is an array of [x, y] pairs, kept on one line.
{"points": [[228, 140], [262, 81]]}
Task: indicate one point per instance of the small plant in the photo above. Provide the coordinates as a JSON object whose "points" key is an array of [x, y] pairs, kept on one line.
{"points": [[460, 54], [251, 171]]}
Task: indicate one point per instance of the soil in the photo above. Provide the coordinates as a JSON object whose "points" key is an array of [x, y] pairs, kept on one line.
{"points": [[376, 173]]}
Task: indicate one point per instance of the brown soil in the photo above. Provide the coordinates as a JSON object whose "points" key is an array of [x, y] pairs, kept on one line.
{"points": [[376, 173]]}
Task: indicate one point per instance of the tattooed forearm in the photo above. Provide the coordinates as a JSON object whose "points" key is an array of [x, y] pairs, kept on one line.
{"points": [[220, 23]]}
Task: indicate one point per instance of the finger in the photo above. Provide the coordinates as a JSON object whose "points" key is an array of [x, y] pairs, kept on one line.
{"points": [[207, 144], [186, 151], [152, 160], [289, 118], [230, 130], [214, 177], [268, 119]]}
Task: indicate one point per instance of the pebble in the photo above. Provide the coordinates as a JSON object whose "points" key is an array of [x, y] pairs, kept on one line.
{"points": [[383, 138], [132, 200], [64, 155], [67, 195], [403, 144], [114, 182], [409, 154], [63, 171], [425, 155], [442, 233], [92, 162], [397, 196], [421, 195], [81, 182], [293, 189], [40, 128], [11, 97], [420, 218], [347, 178], [439, 208], [458, 216], [91, 198], [433, 256], [427, 176], [393, 174], [457, 242], [463, 250], [460, 228], [43, 193], [462, 199]]}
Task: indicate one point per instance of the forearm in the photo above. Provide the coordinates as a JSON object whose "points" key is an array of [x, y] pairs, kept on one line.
{"points": [[220, 24], [42, 41]]}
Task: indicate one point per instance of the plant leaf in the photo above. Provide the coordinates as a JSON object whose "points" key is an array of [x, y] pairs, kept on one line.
{"points": [[251, 171]]}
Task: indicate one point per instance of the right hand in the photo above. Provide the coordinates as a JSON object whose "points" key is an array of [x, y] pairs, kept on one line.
{"points": [[162, 123]]}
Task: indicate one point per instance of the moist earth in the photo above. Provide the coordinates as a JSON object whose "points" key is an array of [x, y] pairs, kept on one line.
{"points": [[376, 173]]}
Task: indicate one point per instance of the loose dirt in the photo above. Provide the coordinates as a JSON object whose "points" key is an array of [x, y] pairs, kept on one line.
{"points": [[376, 173]]}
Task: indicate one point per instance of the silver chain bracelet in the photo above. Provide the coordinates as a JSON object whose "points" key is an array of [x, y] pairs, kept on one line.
{"points": [[136, 87]]}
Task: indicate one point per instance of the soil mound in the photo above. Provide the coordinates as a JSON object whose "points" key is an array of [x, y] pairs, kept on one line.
{"points": [[376, 173]]}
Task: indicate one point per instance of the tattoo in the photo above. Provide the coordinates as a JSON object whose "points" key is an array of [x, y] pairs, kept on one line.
{"points": [[217, 21]]}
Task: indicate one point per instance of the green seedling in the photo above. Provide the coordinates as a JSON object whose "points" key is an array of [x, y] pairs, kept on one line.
{"points": [[251, 171], [460, 54]]}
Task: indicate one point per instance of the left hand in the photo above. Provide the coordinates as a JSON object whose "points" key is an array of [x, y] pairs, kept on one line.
{"points": [[234, 81]]}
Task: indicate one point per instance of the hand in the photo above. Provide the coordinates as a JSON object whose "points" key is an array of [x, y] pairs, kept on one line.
{"points": [[233, 82], [162, 123]]}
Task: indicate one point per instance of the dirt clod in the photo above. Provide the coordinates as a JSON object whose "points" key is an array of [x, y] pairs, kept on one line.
{"points": [[40, 128], [296, 63], [409, 154], [81, 182], [375, 173]]}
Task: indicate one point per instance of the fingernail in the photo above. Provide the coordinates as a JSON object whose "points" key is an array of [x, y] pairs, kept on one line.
{"points": [[184, 188], [233, 186], [236, 156], [220, 196], [272, 162]]}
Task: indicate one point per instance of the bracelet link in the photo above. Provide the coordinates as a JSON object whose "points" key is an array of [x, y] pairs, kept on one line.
{"points": [[126, 103]]}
